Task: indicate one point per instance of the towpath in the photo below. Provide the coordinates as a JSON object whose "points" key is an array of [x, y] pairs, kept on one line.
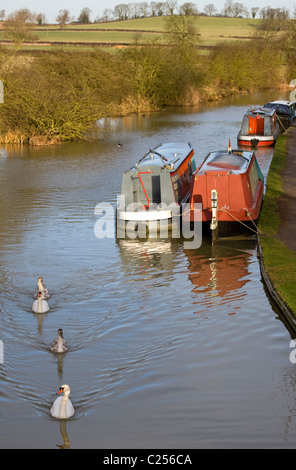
{"points": [[287, 202]]}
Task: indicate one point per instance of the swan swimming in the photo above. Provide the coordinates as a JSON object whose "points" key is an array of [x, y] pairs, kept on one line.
{"points": [[59, 345], [62, 407], [40, 305], [41, 288]]}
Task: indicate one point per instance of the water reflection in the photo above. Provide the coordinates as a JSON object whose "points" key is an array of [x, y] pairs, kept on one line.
{"points": [[219, 272], [60, 365], [64, 435], [150, 254], [39, 318]]}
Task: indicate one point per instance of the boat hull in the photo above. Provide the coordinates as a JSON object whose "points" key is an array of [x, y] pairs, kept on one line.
{"points": [[149, 225], [231, 229], [256, 141]]}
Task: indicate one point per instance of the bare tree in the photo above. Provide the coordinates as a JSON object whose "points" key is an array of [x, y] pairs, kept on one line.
{"points": [[188, 9], [238, 9], [63, 18], [160, 8], [2, 15], [107, 13], [120, 11], [153, 8], [210, 9], [171, 5], [227, 8], [254, 11], [84, 16], [135, 10], [41, 18], [144, 9], [18, 26]]}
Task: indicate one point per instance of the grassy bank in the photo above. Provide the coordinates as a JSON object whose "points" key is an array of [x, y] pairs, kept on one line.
{"points": [[279, 261]]}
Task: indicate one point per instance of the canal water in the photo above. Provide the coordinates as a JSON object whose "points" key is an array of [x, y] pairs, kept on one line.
{"points": [[168, 347]]}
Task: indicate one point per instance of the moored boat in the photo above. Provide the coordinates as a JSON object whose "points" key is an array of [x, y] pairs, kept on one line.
{"points": [[155, 188], [285, 111], [259, 127], [229, 186]]}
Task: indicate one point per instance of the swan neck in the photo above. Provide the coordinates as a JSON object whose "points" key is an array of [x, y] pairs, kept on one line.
{"points": [[60, 343], [63, 413], [65, 396]]}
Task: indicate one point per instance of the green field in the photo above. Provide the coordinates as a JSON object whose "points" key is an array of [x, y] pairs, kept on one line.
{"points": [[211, 30]]}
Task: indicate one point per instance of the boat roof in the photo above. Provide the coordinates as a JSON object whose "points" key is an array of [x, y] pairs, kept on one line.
{"points": [[285, 107], [235, 161], [286, 103], [169, 155], [255, 110]]}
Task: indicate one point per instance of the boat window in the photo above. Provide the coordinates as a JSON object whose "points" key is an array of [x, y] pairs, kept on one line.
{"points": [[253, 175], [136, 189], [177, 187], [189, 169], [156, 197], [268, 126], [245, 125]]}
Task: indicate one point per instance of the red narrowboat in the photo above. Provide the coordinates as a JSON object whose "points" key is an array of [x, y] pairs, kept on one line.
{"points": [[229, 186], [259, 127]]}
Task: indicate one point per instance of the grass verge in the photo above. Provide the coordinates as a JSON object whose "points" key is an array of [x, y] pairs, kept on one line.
{"points": [[279, 261]]}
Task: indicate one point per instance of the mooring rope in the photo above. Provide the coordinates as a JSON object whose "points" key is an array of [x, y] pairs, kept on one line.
{"points": [[231, 215], [278, 118], [257, 229]]}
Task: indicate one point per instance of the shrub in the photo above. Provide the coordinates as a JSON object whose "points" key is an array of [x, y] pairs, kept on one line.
{"points": [[245, 66], [57, 95]]}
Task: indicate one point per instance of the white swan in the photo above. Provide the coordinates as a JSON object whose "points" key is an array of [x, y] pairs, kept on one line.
{"points": [[40, 305], [41, 288], [62, 407], [59, 345]]}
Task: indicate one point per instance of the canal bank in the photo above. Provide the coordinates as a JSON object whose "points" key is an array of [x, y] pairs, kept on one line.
{"points": [[277, 241]]}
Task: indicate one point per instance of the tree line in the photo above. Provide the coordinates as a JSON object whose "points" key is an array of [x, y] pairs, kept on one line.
{"points": [[126, 11], [59, 95]]}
